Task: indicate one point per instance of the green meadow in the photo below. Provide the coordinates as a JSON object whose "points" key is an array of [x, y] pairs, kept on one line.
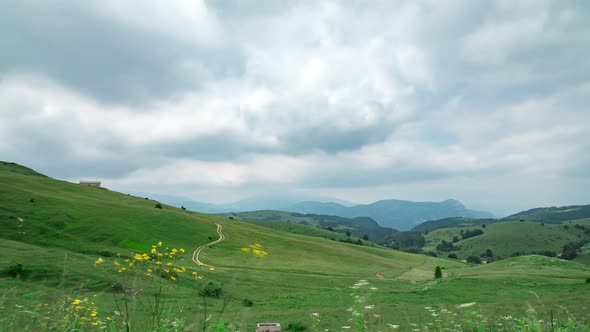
{"points": [[63, 242]]}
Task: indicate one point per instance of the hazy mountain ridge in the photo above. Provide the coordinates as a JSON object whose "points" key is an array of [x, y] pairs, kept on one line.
{"points": [[398, 214]]}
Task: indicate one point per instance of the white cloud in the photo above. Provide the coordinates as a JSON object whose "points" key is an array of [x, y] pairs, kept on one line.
{"points": [[410, 99]]}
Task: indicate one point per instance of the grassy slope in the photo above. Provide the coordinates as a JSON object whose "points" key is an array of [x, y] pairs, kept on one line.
{"points": [[506, 238], [300, 229], [67, 225]]}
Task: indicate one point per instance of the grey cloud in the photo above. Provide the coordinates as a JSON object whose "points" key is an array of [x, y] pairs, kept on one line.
{"points": [[103, 58]]}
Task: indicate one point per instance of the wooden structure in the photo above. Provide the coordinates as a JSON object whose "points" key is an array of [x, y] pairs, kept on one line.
{"points": [[90, 183], [268, 327]]}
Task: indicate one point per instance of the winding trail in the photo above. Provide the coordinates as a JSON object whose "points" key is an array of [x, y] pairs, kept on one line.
{"points": [[198, 250]]}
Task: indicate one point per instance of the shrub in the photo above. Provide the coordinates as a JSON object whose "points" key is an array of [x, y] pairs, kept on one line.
{"points": [[182, 207], [472, 233], [437, 273], [247, 302], [474, 260], [446, 246], [15, 270], [158, 206], [588, 280], [296, 327], [211, 290], [454, 256]]}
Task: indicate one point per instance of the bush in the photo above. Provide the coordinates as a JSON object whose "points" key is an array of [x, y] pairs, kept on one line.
{"points": [[15, 270], [468, 234], [437, 273], [474, 260], [296, 327], [588, 280], [211, 290], [158, 206], [453, 256], [446, 246], [247, 302]]}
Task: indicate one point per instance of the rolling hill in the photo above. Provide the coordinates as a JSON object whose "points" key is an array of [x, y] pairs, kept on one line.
{"points": [[506, 239], [553, 214]]}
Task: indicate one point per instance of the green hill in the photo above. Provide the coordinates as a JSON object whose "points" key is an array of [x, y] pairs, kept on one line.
{"points": [[52, 233], [506, 238], [553, 214], [431, 225]]}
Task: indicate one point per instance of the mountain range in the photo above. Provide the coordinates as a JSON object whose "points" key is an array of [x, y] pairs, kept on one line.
{"points": [[398, 214]]}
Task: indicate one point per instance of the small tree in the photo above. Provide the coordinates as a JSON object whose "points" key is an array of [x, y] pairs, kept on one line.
{"points": [[366, 237], [348, 233], [158, 206], [437, 273], [473, 259]]}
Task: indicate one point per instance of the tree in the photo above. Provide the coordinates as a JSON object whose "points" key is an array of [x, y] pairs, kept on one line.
{"points": [[474, 260], [437, 273], [348, 233], [455, 239], [453, 256], [571, 250], [366, 237], [158, 206]]}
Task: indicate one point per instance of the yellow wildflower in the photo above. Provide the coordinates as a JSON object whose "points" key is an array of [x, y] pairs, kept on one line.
{"points": [[149, 270], [98, 261], [172, 278], [181, 250], [116, 263], [245, 249], [211, 269], [160, 244], [153, 251], [121, 270], [169, 264]]}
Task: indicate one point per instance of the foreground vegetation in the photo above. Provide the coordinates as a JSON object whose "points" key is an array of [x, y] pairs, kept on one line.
{"points": [[63, 247]]}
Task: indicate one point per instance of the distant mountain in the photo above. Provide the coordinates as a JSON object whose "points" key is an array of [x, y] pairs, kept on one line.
{"points": [[358, 226], [397, 214], [265, 202], [552, 214]]}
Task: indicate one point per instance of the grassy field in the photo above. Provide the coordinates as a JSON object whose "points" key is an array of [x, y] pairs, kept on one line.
{"points": [[506, 238], [58, 231]]}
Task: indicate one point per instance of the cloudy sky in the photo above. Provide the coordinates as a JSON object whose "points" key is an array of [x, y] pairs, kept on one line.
{"points": [[482, 101]]}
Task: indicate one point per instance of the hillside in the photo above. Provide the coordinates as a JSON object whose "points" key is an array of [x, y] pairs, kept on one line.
{"points": [[553, 214], [431, 225], [46, 224], [57, 231], [397, 214], [505, 239]]}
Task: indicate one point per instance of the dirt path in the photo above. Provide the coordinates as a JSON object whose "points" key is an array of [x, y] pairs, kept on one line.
{"points": [[198, 250]]}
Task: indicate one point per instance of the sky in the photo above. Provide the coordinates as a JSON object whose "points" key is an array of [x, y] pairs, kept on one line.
{"points": [[482, 101]]}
